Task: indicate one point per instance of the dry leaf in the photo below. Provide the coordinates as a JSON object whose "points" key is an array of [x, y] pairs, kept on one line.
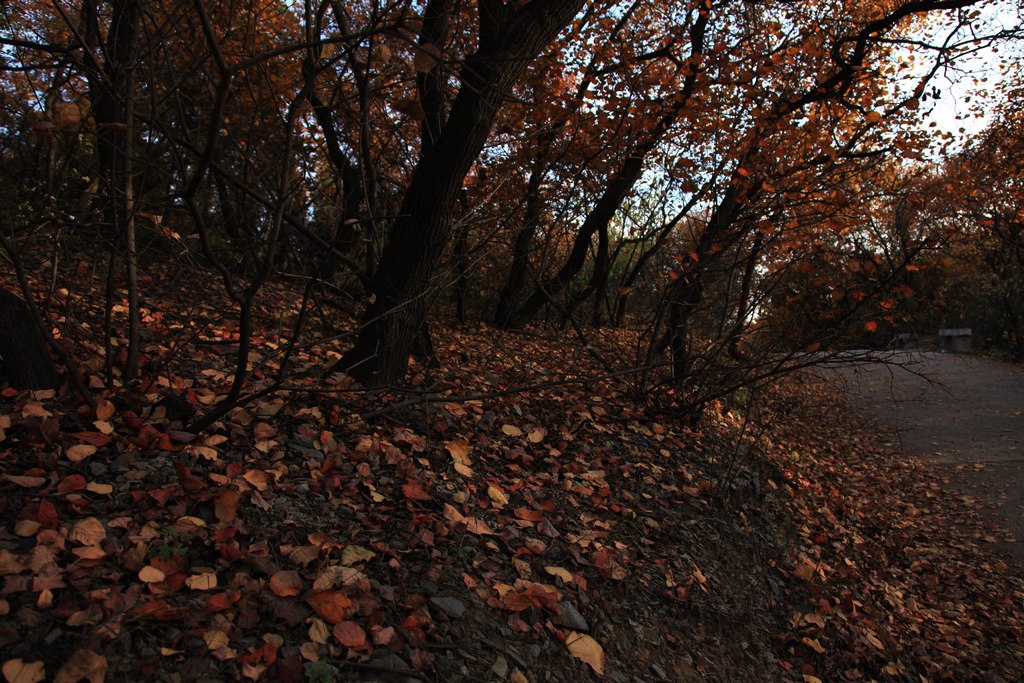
{"points": [[563, 574], [83, 664], [20, 671], [497, 496], [25, 481], [215, 639], [356, 553], [511, 430], [80, 452], [331, 605], [150, 574], [104, 410], [350, 634], [88, 531], [586, 649], [202, 582], [286, 583]]}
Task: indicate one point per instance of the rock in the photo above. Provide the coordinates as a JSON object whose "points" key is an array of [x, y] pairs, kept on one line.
{"points": [[453, 607], [571, 617]]}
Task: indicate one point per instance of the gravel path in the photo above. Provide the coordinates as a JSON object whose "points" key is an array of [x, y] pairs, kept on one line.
{"points": [[963, 415]]}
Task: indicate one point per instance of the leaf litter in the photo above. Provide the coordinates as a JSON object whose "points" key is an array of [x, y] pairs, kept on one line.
{"points": [[563, 534]]}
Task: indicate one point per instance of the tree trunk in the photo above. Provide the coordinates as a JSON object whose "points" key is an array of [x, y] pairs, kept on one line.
{"points": [[27, 364], [409, 263]]}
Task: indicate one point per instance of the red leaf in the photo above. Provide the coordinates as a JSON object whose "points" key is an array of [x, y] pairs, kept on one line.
{"points": [[95, 438], [47, 515], [413, 490], [72, 482], [221, 601]]}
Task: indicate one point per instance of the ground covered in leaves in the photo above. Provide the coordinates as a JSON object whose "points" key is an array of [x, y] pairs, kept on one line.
{"points": [[469, 530]]}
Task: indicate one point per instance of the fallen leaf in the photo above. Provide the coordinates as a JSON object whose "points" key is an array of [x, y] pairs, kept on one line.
{"points": [[586, 649], [205, 581], [286, 583], [10, 563], [355, 553], [104, 410], [20, 671], [99, 489], [497, 496], [563, 574], [80, 452], [88, 531], [413, 490], [331, 605], [83, 664], [150, 574], [511, 430], [350, 634], [25, 482]]}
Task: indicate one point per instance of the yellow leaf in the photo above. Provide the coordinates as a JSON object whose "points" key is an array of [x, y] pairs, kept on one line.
{"points": [[103, 427], [537, 435], [318, 631], [202, 582], [99, 489], [497, 496], [215, 639], [511, 430], [586, 649], [873, 117], [564, 574], [20, 671], [355, 553]]}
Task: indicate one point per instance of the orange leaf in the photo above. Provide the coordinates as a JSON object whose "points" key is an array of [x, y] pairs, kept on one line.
{"points": [[870, 326], [80, 452], [150, 574], [104, 410], [286, 583], [258, 478], [331, 605], [350, 634]]}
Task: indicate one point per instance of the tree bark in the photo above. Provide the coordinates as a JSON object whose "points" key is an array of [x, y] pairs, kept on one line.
{"points": [[403, 281]]}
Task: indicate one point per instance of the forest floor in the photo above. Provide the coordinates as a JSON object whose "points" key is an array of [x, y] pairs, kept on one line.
{"points": [[470, 530]]}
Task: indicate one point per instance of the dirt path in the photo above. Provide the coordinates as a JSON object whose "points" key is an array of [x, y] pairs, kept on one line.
{"points": [[963, 415]]}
